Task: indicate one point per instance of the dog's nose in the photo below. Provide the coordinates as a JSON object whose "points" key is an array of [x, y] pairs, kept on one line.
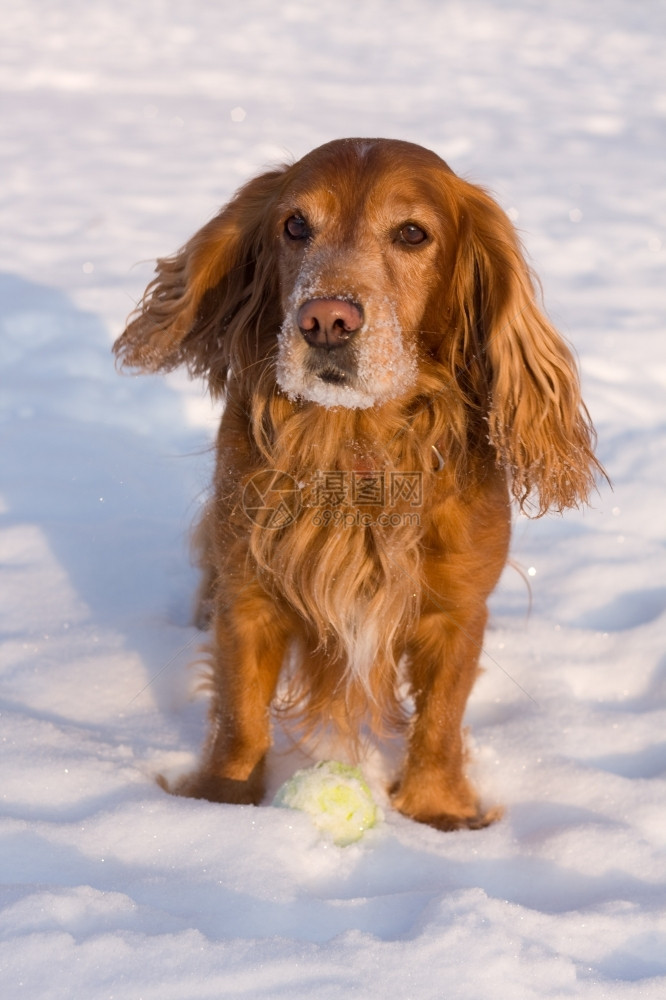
{"points": [[329, 322]]}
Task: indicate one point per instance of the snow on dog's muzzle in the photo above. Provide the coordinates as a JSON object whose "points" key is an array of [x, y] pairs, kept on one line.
{"points": [[334, 352]]}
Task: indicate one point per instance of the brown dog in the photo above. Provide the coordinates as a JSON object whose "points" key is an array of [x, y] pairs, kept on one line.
{"points": [[389, 382]]}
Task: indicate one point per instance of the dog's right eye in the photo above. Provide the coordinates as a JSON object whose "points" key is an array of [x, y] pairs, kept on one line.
{"points": [[296, 228], [412, 235]]}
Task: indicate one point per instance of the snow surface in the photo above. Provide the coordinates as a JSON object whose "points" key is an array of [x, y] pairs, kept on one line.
{"points": [[124, 126]]}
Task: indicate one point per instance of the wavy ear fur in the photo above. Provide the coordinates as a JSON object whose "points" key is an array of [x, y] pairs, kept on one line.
{"points": [[517, 362], [204, 309]]}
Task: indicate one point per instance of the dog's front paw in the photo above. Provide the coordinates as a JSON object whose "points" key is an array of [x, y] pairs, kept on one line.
{"points": [[443, 810], [208, 785], [448, 822]]}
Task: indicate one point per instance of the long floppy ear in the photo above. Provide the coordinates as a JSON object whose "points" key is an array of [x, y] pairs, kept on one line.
{"points": [[192, 311], [537, 421]]}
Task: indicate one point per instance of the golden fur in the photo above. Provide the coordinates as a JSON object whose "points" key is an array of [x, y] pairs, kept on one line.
{"points": [[444, 370]]}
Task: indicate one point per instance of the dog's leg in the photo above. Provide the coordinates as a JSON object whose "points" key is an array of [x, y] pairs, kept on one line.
{"points": [[444, 655], [464, 559], [250, 639]]}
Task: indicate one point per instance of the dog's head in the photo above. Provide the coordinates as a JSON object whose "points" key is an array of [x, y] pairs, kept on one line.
{"points": [[361, 241], [368, 272]]}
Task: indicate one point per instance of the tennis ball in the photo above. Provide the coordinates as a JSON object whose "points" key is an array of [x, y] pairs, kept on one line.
{"points": [[335, 796]]}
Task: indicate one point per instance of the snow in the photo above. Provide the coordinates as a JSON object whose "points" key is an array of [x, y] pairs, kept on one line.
{"points": [[124, 127]]}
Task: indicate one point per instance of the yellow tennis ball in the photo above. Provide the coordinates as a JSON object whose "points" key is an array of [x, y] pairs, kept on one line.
{"points": [[336, 797]]}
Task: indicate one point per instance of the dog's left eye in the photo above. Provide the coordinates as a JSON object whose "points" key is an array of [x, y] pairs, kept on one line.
{"points": [[412, 234], [296, 228]]}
